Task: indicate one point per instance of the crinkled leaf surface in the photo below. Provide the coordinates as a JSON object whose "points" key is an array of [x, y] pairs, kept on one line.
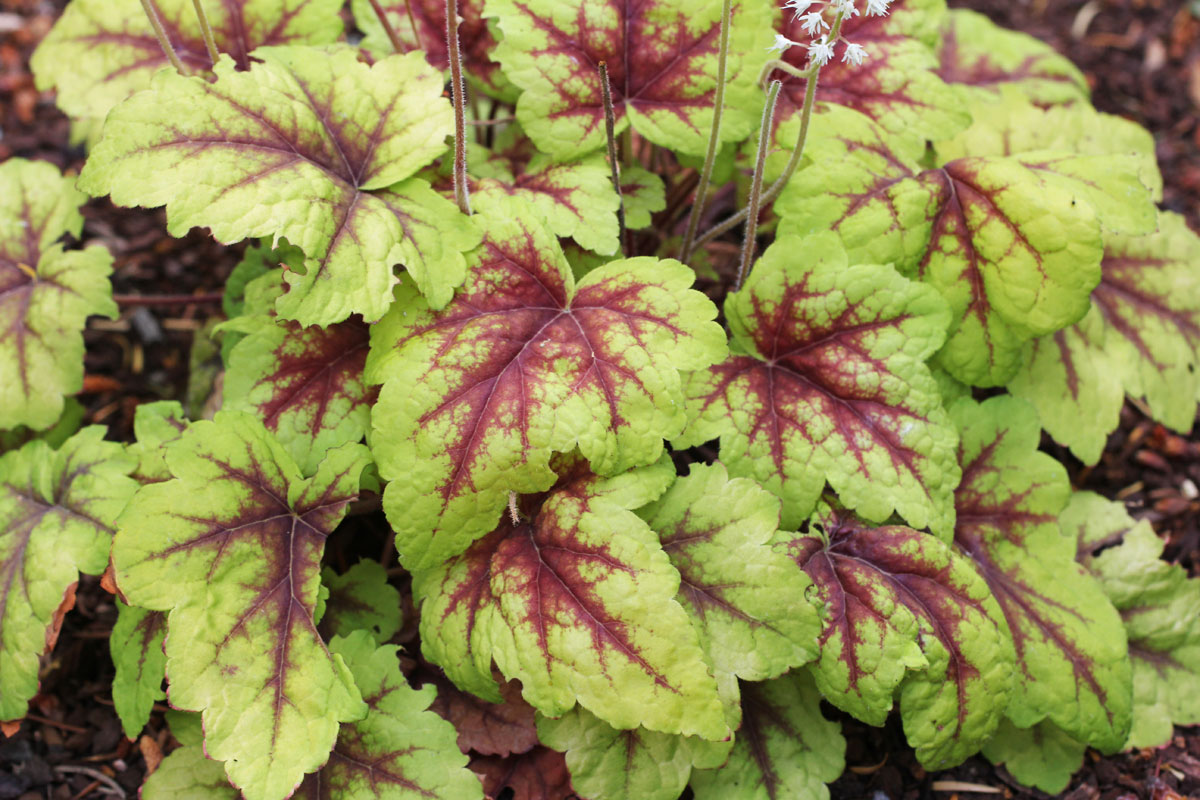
{"points": [[1141, 338], [785, 749], [1072, 660], [522, 363], [978, 57], [102, 51], [310, 144], [1041, 756], [540, 774], [578, 604], [831, 386], [897, 86], [490, 729], [747, 601], [57, 513], [662, 67], [361, 599], [136, 645], [231, 547], [902, 608], [401, 750], [187, 774], [1160, 606], [46, 293]]}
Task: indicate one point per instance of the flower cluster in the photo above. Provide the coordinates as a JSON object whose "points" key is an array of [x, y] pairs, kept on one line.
{"points": [[812, 16]]}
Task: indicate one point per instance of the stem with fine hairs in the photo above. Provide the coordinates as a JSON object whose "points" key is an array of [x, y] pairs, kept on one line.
{"points": [[164, 41], [210, 42], [714, 137], [609, 125], [392, 36], [458, 89], [764, 142]]}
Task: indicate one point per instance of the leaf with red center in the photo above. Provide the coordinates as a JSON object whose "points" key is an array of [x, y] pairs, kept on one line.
{"points": [[521, 364], [311, 145], [401, 750], [361, 599], [102, 51], [897, 86], [304, 383], [747, 601], [1072, 661], [476, 41], [1141, 338], [662, 67], [978, 57], [490, 729], [46, 292], [57, 513], [831, 386], [1160, 606], [540, 774], [785, 749], [903, 609], [577, 603], [231, 547]]}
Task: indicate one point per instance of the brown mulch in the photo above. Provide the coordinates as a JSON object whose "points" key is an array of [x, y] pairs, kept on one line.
{"points": [[1142, 58]]}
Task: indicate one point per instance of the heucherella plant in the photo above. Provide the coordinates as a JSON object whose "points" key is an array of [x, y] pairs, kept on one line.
{"points": [[695, 354]]}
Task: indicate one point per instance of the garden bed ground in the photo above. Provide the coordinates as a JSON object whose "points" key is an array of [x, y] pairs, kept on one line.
{"points": [[1142, 58]]}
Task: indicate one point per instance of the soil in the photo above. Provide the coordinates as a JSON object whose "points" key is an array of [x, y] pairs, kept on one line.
{"points": [[1142, 59]]}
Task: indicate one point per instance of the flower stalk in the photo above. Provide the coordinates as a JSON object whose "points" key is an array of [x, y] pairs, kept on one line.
{"points": [[210, 41], [609, 125], [458, 88], [164, 41], [388, 29], [760, 160]]}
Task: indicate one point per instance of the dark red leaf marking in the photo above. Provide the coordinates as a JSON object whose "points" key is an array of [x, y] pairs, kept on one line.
{"points": [[540, 774], [1122, 299], [759, 717], [475, 40], [490, 729], [975, 68]]}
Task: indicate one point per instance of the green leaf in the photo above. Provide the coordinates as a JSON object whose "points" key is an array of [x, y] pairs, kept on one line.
{"points": [[102, 51], [521, 364], [46, 292], [136, 645], [610, 764], [578, 604], [832, 387], [187, 774], [904, 609], [982, 60], [401, 750], [231, 547], [57, 513], [154, 426], [644, 194], [1041, 756], [662, 67], [748, 602], [361, 599], [1141, 338], [66, 427], [785, 749], [1159, 605], [310, 144], [1072, 660]]}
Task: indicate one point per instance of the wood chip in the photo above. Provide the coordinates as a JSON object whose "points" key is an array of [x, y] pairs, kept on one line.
{"points": [[964, 786]]}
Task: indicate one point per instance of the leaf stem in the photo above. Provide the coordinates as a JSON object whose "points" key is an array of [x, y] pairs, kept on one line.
{"points": [[458, 88], [760, 161], [210, 41], [393, 37], [714, 136], [609, 125], [164, 41]]}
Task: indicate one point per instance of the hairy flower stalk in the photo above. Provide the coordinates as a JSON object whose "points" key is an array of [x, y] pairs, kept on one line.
{"points": [[210, 42], [160, 33], [714, 136], [458, 89], [764, 141], [392, 36], [609, 124]]}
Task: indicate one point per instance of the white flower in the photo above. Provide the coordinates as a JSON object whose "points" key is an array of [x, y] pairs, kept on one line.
{"points": [[854, 54], [814, 23], [845, 8], [798, 6], [782, 43], [821, 51], [877, 8]]}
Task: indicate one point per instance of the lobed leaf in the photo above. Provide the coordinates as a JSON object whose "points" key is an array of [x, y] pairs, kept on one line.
{"points": [[540, 774], [903, 609], [46, 292], [662, 66], [136, 646], [57, 513], [1141, 338], [231, 548], [187, 774], [100, 52], [1072, 659], [1041, 756], [361, 599], [831, 386], [490, 729], [309, 144], [525, 362]]}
